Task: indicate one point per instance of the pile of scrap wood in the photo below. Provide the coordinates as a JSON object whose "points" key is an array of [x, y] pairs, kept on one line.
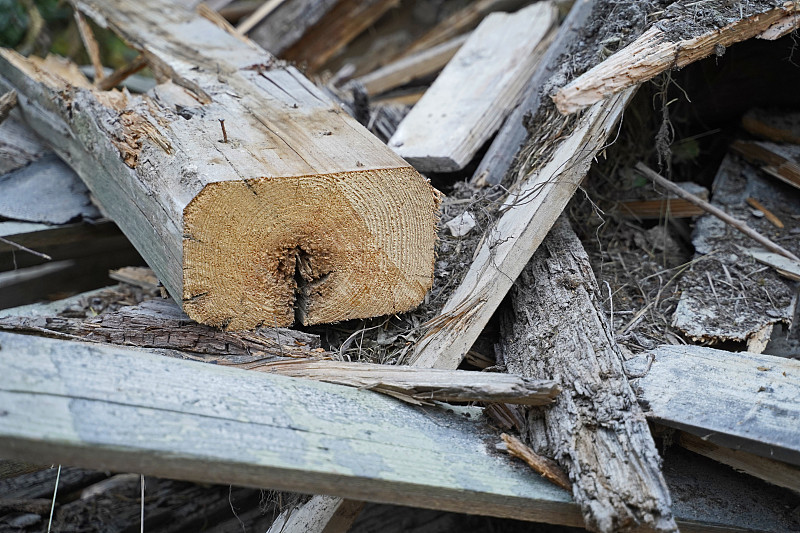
{"points": [[625, 358]]}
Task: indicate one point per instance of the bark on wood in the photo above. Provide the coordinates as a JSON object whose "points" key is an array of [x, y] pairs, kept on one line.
{"points": [[743, 401], [476, 90], [161, 324], [655, 51], [345, 21], [725, 294], [302, 205], [411, 67], [501, 154], [595, 430], [321, 514], [771, 471], [529, 214]]}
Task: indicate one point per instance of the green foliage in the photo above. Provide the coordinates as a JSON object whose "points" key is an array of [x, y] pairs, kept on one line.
{"points": [[13, 22]]}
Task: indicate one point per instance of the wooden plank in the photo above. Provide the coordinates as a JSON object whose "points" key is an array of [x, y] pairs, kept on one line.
{"points": [[596, 430], [771, 471], [743, 401], [662, 48], [771, 125], [529, 213], [287, 23], [343, 23], [504, 148], [126, 410], [161, 324], [302, 211], [411, 67], [781, 160], [476, 90]]}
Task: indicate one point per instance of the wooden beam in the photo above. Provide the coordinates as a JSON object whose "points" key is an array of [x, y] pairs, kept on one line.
{"points": [[476, 90], [345, 21], [771, 471], [126, 410], [411, 67], [301, 205], [743, 401], [527, 217], [8, 101], [658, 50], [596, 430], [512, 135]]}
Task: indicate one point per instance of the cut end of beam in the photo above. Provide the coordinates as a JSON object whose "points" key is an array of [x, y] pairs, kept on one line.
{"points": [[308, 249]]}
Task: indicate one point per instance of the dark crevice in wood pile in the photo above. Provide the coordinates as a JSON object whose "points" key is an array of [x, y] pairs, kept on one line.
{"points": [[596, 430]]}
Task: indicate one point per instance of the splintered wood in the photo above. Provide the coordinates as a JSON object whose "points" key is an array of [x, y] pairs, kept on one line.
{"points": [[294, 213], [657, 51]]}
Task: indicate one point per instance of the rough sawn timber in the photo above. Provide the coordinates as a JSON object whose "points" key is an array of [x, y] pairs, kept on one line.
{"points": [[301, 206], [468, 101], [655, 52], [595, 430], [744, 401], [529, 213]]}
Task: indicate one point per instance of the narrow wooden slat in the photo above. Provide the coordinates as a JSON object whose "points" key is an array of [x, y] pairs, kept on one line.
{"points": [[529, 214], [743, 401]]}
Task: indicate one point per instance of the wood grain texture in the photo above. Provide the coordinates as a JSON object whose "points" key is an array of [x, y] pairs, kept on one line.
{"points": [[512, 135], [476, 90], [509, 245], [126, 410], [743, 401], [302, 207], [655, 52], [595, 430], [421, 385]]}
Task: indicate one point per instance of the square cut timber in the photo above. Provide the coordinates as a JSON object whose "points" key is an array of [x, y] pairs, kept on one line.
{"points": [[293, 212]]}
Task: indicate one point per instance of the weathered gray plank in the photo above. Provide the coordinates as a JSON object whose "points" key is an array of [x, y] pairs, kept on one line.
{"points": [[743, 401], [127, 410]]}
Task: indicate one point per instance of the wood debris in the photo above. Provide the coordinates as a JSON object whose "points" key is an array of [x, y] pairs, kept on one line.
{"points": [[262, 198]]}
